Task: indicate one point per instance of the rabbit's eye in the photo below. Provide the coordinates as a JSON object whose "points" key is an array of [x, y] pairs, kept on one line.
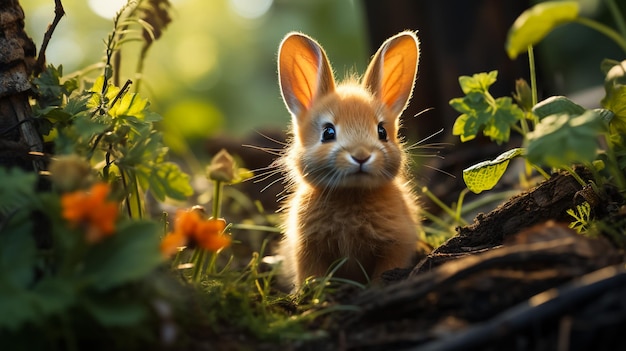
{"points": [[382, 133], [328, 133]]}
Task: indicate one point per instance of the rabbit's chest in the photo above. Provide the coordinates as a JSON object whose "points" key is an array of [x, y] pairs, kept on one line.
{"points": [[353, 223]]}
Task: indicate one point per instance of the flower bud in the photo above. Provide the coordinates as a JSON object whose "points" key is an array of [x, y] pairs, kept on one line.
{"points": [[523, 95], [70, 173], [222, 167]]}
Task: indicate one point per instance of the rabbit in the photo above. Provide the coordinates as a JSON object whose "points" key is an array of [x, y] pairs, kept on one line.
{"points": [[348, 195]]}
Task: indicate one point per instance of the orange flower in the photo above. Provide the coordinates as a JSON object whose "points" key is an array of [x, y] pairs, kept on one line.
{"points": [[172, 242], [191, 229], [92, 210], [209, 235], [187, 222]]}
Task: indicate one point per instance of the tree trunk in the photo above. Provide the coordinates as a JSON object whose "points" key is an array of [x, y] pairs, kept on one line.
{"points": [[20, 143]]}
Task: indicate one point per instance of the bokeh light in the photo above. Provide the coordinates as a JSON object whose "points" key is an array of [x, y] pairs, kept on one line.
{"points": [[106, 8], [251, 8]]}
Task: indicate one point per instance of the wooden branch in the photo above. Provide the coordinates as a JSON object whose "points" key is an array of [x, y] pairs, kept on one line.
{"points": [[546, 305], [59, 12]]}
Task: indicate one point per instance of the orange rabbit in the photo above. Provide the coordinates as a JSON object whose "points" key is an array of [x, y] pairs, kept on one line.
{"points": [[348, 192]]}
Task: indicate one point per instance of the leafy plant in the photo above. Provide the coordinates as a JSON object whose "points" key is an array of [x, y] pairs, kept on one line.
{"points": [[110, 126], [74, 267], [556, 132], [582, 217], [73, 260]]}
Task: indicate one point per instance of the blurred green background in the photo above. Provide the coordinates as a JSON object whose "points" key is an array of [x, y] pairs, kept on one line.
{"points": [[213, 72]]}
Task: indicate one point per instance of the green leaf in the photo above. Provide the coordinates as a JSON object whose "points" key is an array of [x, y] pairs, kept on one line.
{"points": [[563, 139], [128, 255], [130, 104], [614, 71], [536, 22], [113, 312], [87, 127], [463, 127], [77, 103], [53, 295], [504, 117], [165, 179], [480, 111], [95, 100], [475, 114], [15, 306], [615, 97], [557, 105], [485, 175], [479, 82], [17, 250], [17, 188], [49, 87], [17, 267]]}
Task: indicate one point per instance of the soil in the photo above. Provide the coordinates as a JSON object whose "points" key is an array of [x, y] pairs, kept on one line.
{"points": [[516, 279]]}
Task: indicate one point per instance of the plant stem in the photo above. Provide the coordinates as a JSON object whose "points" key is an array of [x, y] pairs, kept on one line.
{"points": [[217, 198], [617, 16], [525, 128], [133, 199], [541, 171], [608, 31], [435, 219], [264, 228], [613, 165], [488, 199], [198, 264], [533, 74], [459, 205], [575, 175], [443, 206]]}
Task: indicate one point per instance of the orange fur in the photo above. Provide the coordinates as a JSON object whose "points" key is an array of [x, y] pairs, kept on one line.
{"points": [[349, 195]]}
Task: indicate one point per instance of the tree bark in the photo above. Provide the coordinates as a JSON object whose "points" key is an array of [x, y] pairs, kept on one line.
{"points": [[20, 143]]}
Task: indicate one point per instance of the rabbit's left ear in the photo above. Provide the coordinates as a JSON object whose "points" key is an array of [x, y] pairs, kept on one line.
{"points": [[391, 73]]}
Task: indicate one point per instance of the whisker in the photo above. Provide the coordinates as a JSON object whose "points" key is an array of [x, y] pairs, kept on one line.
{"points": [[263, 172], [428, 156], [269, 150], [423, 111], [433, 146], [441, 171], [265, 176], [272, 139], [430, 136], [272, 183]]}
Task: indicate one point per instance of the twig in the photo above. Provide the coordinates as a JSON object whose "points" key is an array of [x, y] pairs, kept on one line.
{"points": [[59, 12]]}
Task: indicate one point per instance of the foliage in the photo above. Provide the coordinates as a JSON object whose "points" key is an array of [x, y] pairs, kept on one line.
{"points": [[535, 23], [582, 217], [108, 125], [480, 111], [485, 175], [79, 259], [556, 132], [51, 272]]}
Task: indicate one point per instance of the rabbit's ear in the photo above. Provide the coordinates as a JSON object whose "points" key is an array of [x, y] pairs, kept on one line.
{"points": [[304, 72], [391, 74]]}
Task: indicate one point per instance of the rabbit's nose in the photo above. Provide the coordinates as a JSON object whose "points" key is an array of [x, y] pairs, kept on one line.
{"points": [[361, 160], [360, 155]]}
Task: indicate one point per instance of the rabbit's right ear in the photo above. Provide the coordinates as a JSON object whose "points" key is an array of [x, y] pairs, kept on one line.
{"points": [[304, 72]]}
